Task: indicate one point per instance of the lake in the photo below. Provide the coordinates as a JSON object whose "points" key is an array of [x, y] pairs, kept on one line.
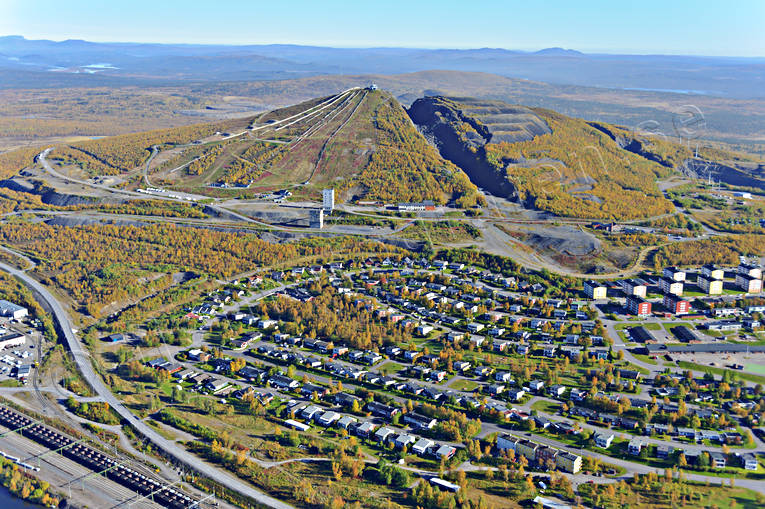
{"points": [[8, 501]]}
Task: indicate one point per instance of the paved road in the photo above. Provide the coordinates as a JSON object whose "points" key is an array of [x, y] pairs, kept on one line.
{"points": [[83, 360], [42, 159]]}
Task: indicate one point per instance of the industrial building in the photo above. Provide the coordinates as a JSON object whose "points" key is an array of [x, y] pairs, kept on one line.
{"points": [[328, 200], [12, 310], [641, 335], [417, 206], [12, 340], [316, 218], [684, 334]]}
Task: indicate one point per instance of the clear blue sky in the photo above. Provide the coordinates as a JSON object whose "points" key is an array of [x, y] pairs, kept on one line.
{"points": [[702, 27]]}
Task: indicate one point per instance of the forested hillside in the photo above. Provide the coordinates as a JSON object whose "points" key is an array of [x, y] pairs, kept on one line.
{"points": [[579, 171], [100, 264], [551, 162], [360, 142]]}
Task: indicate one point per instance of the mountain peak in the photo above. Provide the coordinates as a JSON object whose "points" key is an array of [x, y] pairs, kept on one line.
{"points": [[559, 52]]}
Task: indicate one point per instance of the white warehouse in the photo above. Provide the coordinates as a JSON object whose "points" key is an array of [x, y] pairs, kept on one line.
{"points": [[11, 340], [12, 310]]}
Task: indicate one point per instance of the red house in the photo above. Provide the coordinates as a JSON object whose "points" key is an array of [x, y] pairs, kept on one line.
{"points": [[638, 306], [676, 304]]}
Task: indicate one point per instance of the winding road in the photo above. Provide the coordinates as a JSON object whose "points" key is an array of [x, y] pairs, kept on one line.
{"points": [[83, 359]]}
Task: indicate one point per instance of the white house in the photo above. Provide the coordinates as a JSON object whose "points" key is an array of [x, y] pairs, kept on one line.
{"points": [[604, 440]]}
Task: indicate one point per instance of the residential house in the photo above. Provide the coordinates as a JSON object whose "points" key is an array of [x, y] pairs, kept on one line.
{"points": [[404, 440], [496, 389], [384, 434], [670, 286], [482, 371], [634, 287], [461, 366], [445, 451], [419, 421], [638, 306], [674, 273], [198, 355], [635, 446], [718, 459], [215, 384], [381, 410], [751, 270], [536, 385], [713, 271], [311, 411], [346, 421], [595, 290], [569, 462], [749, 461], [527, 448], [709, 285], [309, 389], [422, 445], [283, 382], [749, 284], [475, 327], [365, 429], [327, 419], [507, 442], [499, 346], [604, 440]]}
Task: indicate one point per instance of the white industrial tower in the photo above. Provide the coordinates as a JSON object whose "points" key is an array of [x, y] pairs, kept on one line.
{"points": [[328, 196]]}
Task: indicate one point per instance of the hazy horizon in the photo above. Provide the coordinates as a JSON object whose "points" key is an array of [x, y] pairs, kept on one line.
{"points": [[704, 28], [391, 47]]}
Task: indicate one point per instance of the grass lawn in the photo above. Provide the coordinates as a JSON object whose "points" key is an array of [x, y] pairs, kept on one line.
{"points": [[755, 368], [464, 385], [643, 371], [670, 325], [549, 407], [719, 371], [645, 358], [390, 368], [697, 496]]}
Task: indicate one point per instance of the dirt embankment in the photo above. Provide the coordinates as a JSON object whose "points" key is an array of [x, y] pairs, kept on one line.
{"points": [[724, 173], [47, 195]]}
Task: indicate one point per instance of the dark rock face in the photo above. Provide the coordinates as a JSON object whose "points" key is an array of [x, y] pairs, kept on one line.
{"points": [[726, 173], [48, 196], [461, 127], [630, 144]]}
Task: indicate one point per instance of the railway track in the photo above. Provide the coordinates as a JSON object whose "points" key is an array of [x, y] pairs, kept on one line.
{"points": [[59, 443]]}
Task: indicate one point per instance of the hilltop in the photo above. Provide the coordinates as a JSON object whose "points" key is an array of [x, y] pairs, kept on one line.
{"points": [[547, 160], [359, 142], [568, 166]]}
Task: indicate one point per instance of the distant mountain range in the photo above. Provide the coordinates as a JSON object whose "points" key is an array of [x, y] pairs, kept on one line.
{"points": [[730, 77]]}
